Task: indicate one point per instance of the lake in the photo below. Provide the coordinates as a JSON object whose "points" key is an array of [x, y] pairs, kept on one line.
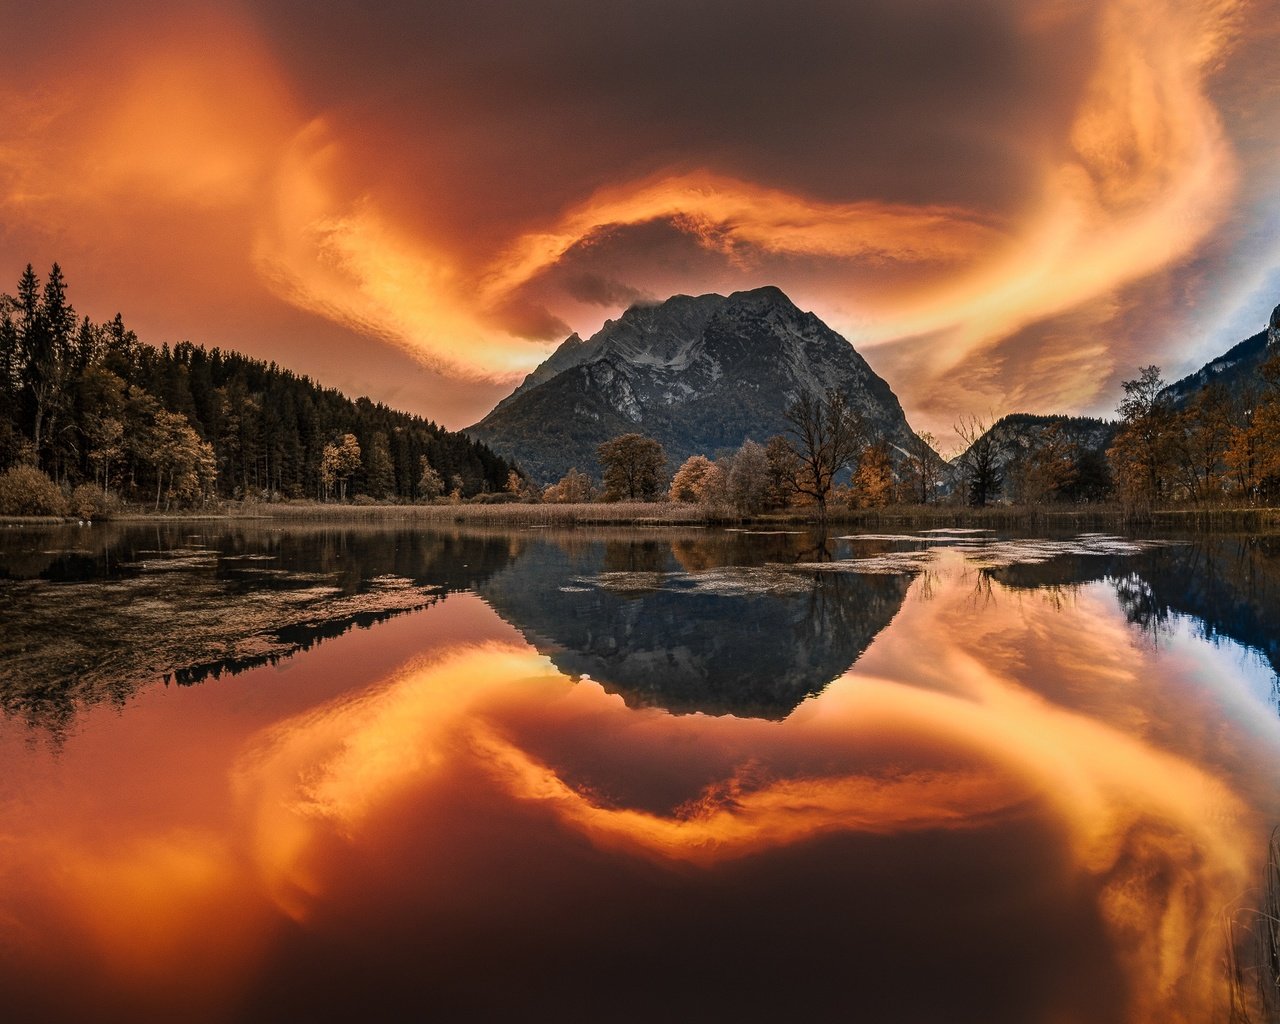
{"points": [[322, 773]]}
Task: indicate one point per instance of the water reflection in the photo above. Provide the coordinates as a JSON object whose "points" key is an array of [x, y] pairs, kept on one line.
{"points": [[1008, 805], [92, 614], [1045, 817], [1229, 584], [713, 622]]}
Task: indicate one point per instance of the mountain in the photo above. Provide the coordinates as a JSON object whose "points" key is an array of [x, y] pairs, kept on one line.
{"points": [[1234, 367], [699, 373], [1012, 436]]}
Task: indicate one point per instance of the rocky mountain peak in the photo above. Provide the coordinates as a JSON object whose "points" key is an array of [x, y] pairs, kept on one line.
{"points": [[764, 301], [700, 373], [1273, 329]]}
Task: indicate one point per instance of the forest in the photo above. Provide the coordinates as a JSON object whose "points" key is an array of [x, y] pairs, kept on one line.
{"points": [[92, 407]]}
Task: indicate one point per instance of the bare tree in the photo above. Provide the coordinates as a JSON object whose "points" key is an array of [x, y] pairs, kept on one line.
{"points": [[827, 437], [979, 463], [921, 468]]}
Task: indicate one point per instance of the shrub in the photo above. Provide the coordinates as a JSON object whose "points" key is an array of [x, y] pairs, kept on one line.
{"points": [[494, 498], [25, 491], [90, 502], [363, 500]]}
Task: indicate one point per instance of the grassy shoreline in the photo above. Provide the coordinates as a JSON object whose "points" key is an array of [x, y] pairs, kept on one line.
{"points": [[658, 514]]}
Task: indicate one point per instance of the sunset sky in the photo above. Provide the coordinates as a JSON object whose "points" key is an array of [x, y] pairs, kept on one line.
{"points": [[1004, 204]]}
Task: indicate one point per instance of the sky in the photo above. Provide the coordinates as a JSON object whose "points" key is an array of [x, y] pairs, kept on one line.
{"points": [[1005, 205]]}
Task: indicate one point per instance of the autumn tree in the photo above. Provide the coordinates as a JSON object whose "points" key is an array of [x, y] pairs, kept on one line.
{"points": [[873, 479], [339, 462], [749, 479], [633, 467], [1141, 455], [1200, 436], [921, 468], [430, 483], [1045, 465], [1252, 453], [783, 467], [573, 488], [713, 489], [178, 454], [826, 436], [688, 483]]}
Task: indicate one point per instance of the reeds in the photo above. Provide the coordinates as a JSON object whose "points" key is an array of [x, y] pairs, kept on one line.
{"points": [[1253, 949], [639, 513], [636, 513]]}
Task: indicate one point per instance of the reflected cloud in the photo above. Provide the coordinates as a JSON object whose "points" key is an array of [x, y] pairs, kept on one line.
{"points": [[409, 798], [959, 743]]}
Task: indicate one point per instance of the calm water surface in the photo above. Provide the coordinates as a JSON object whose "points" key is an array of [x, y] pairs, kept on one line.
{"points": [[319, 773]]}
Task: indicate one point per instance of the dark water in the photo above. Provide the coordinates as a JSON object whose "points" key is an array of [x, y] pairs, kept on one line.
{"points": [[258, 774]]}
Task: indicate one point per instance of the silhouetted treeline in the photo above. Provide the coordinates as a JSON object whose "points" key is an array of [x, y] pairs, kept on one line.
{"points": [[88, 403]]}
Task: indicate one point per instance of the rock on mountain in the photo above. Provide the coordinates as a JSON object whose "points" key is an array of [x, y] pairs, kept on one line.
{"points": [[1235, 367], [699, 373]]}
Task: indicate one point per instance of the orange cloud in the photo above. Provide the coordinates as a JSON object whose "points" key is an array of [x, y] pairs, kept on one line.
{"points": [[186, 146], [341, 257]]}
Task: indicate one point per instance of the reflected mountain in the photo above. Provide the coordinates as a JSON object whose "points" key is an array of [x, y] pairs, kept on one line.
{"points": [[708, 623], [93, 614], [1229, 583]]}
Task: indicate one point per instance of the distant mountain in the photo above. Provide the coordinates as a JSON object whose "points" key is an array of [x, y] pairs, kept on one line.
{"points": [[1017, 433], [1234, 367], [1012, 433], [699, 373]]}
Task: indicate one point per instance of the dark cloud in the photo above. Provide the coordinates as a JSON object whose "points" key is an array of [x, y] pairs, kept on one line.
{"points": [[527, 107], [530, 320], [598, 290]]}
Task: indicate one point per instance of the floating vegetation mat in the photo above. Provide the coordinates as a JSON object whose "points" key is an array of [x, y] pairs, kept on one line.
{"points": [[76, 644]]}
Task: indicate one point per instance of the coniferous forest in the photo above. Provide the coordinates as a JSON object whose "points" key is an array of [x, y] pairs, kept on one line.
{"points": [[89, 404]]}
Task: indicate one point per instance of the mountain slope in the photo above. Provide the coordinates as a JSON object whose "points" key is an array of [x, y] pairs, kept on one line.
{"points": [[699, 373], [1238, 365]]}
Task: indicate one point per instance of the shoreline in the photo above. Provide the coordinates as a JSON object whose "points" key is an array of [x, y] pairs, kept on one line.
{"points": [[660, 514]]}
